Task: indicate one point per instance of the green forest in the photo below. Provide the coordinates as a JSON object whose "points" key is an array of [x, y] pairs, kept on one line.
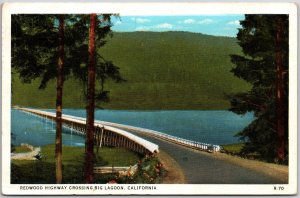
{"points": [[163, 70]]}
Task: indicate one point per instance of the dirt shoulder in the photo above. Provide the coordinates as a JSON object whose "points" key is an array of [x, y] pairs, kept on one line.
{"points": [[276, 171], [174, 173]]}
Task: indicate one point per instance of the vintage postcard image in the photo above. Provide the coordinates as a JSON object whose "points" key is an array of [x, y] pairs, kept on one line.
{"points": [[149, 98]]}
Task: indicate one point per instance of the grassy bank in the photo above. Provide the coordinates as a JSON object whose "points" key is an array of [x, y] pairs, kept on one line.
{"points": [[233, 148], [164, 70], [237, 150], [43, 171]]}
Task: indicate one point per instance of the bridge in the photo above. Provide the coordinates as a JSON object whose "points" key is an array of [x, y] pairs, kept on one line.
{"points": [[113, 134], [104, 135]]}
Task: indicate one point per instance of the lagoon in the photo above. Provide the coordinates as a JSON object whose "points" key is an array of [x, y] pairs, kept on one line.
{"points": [[214, 127]]}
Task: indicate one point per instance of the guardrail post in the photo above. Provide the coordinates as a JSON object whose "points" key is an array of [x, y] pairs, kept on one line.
{"points": [[102, 129]]}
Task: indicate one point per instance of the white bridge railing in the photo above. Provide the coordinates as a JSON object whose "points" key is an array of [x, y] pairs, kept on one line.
{"points": [[177, 140], [189, 143], [115, 169]]}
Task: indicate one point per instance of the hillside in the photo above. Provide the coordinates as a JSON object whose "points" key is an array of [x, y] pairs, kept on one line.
{"points": [[167, 70]]}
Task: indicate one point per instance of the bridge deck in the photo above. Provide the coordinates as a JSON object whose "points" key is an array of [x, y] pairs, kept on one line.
{"points": [[113, 136]]}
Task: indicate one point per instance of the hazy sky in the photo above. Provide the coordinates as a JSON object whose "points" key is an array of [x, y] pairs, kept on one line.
{"points": [[220, 25]]}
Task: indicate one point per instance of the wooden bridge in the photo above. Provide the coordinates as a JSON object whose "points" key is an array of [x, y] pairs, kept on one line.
{"points": [[104, 135], [113, 134]]}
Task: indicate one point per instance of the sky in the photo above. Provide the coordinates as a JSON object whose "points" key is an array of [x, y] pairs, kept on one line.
{"points": [[218, 25]]}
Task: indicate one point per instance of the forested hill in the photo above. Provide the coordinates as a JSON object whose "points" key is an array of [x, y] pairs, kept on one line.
{"points": [[168, 70]]}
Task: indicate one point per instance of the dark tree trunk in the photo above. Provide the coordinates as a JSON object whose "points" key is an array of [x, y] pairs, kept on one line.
{"points": [[89, 144], [280, 90], [59, 93]]}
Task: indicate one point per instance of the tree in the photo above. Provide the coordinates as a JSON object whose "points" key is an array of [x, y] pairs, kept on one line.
{"points": [[37, 46], [281, 107], [264, 64], [89, 153], [84, 55], [59, 94]]}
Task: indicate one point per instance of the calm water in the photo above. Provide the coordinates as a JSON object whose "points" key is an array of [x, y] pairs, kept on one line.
{"points": [[37, 131], [215, 127]]}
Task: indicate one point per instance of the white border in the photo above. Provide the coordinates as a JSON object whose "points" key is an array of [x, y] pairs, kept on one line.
{"points": [[135, 9], [144, 9]]}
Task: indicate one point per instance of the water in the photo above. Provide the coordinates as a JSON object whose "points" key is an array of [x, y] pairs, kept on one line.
{"points": [[214, 127], [38, 131]]}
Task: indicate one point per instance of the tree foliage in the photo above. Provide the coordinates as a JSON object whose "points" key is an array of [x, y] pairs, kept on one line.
{"points": [[257, 65], [34, 46], [105, 69], [34, 49]]}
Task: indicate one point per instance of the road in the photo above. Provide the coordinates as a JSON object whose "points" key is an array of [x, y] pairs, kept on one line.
{"points": [[203, 168], [200, 167]]}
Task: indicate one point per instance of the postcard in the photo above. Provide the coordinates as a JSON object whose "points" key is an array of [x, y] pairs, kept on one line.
{"points": [[149, 98]]}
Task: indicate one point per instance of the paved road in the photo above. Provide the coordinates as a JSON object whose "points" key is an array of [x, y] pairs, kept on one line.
{"points": [[200, 168]]}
